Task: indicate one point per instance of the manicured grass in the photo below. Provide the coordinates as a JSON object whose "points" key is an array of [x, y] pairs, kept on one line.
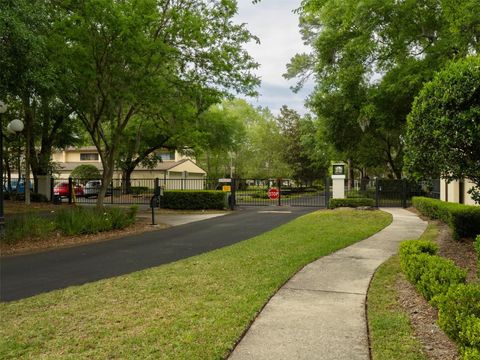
{"points": [[391, 333], [196, 308]]}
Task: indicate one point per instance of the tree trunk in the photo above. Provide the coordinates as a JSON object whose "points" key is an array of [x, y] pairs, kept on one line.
{"points": [[351, 180], [108, 163], [127, 180]]}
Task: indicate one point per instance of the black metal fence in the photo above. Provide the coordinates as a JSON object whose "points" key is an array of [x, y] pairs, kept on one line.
{"points": [[136, 191], [268, 192], [395, 193]]}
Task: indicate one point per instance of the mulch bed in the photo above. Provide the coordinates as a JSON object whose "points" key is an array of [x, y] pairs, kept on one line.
{"points": [[60, 241], [423, 316]]}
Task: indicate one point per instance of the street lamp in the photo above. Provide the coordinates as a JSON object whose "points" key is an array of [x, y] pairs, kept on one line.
{"points": [[13, 127]]}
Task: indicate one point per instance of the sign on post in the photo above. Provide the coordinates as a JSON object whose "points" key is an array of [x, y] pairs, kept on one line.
{"points": [[273, 193]]}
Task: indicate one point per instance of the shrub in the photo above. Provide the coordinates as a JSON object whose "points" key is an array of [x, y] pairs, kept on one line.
{"points": [[86, 172], [431, 274], [350, 202], [138, 190], [30, 226], [193, 199], [464, 220], [438, 276], [93, 220], [459, 317], [471, 354]]}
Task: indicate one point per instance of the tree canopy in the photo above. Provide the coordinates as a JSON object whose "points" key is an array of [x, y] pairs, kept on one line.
{"points": [[443, 135]]}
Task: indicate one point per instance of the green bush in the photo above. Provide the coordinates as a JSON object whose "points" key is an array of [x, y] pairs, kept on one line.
{"points": [[464, 220], [93, 220], [25, 227], [471, 354], [438, 276], [350, 202], [193, 199], [431, 274], [85, 173], [459, 317], [138, 190]]}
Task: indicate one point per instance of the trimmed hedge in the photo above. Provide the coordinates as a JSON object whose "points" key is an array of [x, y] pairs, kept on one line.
{"points": [[193, 199], [432, 275], [350, 202], [464, 220], [459, 317], [443, 284]]}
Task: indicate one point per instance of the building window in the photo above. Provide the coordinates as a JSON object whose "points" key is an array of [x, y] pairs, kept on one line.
{"points": [[166, 155], [89, 157]]}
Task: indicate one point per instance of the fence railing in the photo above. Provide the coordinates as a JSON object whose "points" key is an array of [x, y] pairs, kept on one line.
{"points": [[135, 191]]}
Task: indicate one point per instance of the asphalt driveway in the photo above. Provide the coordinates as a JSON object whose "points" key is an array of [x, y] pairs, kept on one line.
{"points": [[27, 275]]}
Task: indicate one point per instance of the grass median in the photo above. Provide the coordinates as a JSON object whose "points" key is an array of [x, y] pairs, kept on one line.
{"points": [[391, 333], [195, 308]]}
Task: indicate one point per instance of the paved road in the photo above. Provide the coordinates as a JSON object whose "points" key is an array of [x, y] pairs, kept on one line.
{"points": [[28, 275]]}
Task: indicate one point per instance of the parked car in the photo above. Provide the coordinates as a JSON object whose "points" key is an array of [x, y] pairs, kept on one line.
{"points": [[61, 189], [16, 186], [92, 188]]}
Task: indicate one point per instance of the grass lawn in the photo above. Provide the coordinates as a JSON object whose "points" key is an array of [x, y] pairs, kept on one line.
{"points": [[196, 308], [391, 334]]}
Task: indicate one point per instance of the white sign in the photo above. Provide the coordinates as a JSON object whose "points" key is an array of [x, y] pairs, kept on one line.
{"points": [[224, 180]]}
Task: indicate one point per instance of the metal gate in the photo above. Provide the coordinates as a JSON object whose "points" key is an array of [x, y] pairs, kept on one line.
{"points": [[280, 192], [395, 193]]}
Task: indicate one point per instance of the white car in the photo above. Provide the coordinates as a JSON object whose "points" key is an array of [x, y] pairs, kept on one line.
{"points": [[92, 188]]}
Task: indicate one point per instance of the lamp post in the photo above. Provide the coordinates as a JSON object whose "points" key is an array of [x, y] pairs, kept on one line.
{"points": [[13, 127]]}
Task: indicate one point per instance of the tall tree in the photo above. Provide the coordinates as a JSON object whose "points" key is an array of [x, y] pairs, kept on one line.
{"points": [[125, 57], [371, 58], [443, 136]]}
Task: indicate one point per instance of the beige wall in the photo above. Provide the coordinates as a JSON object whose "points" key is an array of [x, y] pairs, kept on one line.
{"points": [[451, 192]]}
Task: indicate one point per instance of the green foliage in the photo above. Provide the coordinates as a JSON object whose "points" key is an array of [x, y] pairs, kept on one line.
{"points": [[350, 202], [28, 227], [443, 135], [464, 220], [439, 274], [83, 220], [193, 200], [459, 317], [86, 172], [431, 274]]}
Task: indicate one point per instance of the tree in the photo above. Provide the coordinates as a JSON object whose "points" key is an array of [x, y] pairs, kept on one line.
{"points": [[371, 58], [86, 172], [123, 58], [443, 135], [301, 151], [29, 81]]}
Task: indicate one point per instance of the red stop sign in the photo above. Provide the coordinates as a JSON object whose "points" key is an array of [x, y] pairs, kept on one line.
{"points": [[273, 193]]}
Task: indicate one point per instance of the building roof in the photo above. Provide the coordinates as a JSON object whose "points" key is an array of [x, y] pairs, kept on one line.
{"points": [[161, 166]]}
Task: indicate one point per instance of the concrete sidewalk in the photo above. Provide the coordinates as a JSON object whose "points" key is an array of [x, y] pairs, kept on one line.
{"points": [[320, 312]]}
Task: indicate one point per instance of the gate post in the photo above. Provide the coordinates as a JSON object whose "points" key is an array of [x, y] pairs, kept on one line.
{"points": [[377, 192], [232, 201], [70, 190], [279, 185], [404, 193], [327, 191]]}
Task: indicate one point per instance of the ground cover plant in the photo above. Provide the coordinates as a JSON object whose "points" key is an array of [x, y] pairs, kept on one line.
{"points": [[390, 330], [69, 221], [195, 308]]}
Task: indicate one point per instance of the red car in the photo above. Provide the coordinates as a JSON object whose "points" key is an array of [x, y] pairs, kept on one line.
{"points": [[61, 189]]}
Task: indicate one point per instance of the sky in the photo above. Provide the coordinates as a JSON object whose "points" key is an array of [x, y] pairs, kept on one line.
{"points": [[274, 22]]}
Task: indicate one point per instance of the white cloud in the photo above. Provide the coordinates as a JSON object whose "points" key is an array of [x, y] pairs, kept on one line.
{"points": [[274, 22]]}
